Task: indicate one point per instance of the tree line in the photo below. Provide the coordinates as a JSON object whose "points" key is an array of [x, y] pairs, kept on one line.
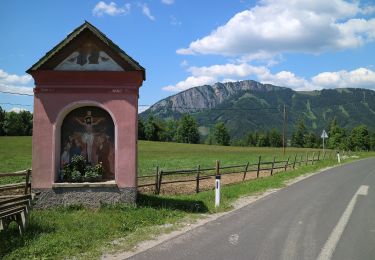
{"points": [[186, 130], [16, 123]]}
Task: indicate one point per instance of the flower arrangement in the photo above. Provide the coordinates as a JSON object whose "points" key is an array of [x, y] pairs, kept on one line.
{"points": [[79, 171]]}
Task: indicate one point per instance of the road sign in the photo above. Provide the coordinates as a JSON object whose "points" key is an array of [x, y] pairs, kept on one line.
{"points": [[324, 134]]}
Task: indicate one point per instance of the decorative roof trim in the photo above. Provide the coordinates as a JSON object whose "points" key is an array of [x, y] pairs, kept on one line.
{"points": [[97, 33]]}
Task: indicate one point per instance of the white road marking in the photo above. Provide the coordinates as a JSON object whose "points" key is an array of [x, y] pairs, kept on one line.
{"points": [[233, 239], [330, 245]]}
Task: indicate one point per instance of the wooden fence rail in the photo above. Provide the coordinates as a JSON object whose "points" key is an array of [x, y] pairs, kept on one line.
{"points": [[197, 174], [21, 185]]}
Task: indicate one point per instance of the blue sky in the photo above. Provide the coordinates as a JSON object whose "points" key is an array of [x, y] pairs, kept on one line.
{"points": [[301, 44]]}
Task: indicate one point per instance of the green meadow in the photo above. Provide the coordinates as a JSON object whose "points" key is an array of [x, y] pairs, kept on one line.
{"points": [[15, 154]]}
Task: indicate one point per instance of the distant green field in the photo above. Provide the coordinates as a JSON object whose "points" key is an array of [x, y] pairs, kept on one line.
{"points": [[15, 154], [187, 156]]}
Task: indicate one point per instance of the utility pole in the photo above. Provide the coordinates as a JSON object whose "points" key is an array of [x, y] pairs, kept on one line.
{"points": [[284, 130]]}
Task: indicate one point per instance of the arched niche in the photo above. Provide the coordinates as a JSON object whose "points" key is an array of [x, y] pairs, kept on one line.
{"points": [[89, 131]]}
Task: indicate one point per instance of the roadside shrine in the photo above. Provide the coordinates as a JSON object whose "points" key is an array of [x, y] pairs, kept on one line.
{"points": [[85, 109]]}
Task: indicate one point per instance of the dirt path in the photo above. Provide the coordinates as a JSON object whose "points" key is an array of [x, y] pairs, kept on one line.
{"points": [[204, 184]]}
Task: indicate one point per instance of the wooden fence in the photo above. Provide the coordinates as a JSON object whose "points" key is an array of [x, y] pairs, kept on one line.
{"points": [[163, 177], [25, 186]]}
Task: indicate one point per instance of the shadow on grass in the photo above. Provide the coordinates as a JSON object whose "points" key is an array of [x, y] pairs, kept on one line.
{"points": [[191, 206], [11, 240]]}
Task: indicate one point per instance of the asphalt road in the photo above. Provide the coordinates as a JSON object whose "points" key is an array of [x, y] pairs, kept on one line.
{"points": [[327, 216]]}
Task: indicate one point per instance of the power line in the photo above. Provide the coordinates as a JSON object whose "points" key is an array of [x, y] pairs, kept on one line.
{"points": [[15, 93], [15, 104]]}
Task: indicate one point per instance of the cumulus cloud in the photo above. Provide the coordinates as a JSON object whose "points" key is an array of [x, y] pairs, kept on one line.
{"points": [[101, 8], [190, 82], [16, 89], [13, 83], [147, 12], [6, 78], [358, 78], [167, 2], [233, 72], [278, 26]]}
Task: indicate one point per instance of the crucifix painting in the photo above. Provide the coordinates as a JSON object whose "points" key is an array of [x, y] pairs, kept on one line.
{"points": [[89, 131]]}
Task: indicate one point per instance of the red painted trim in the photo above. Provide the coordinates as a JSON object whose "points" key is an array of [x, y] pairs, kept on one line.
{"points": [[107, 90], [92, 78]]}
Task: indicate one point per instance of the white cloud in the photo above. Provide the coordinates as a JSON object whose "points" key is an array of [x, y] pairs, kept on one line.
{"points": [[174, 21], [278, 26], [7, 78], [23, 90], [14, 83], [17, 109], [167, 2], [190, 82], [358, 78], [142, 109], [216, 73], [287, 79], [228, 70], [146, 11], [111, 9], [184, 63]]}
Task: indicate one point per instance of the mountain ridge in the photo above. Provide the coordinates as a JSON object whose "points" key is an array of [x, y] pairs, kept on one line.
{"points": [[249, 105]]}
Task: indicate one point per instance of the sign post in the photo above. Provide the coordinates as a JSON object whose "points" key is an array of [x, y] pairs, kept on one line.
{"points": [[324, 136]]}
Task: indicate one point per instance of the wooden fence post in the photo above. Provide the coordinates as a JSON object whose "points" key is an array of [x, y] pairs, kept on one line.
{"points": [[273, 164], [287, 163], [318, 156], [198, 173], [217, 167], [312, 162], [157, 180], [244, 174], [258, 171], [300, 161], [27, 181], [160, 180], [307, 158], [294, 163]]}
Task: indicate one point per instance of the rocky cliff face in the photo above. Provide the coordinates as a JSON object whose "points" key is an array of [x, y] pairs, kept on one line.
{"points": [[207, 96]]}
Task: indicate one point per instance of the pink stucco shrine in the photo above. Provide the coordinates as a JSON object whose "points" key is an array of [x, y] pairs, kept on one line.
{"points": [[85, 103]]}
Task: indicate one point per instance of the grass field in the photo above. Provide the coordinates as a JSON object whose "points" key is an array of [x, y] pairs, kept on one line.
{"points": [[76, 232], [170, 156], [15, 154]]}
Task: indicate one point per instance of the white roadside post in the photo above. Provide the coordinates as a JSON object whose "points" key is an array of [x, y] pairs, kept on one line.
{"points": [[217, 191], [338, 157], [217, 185], [324, 136]]}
